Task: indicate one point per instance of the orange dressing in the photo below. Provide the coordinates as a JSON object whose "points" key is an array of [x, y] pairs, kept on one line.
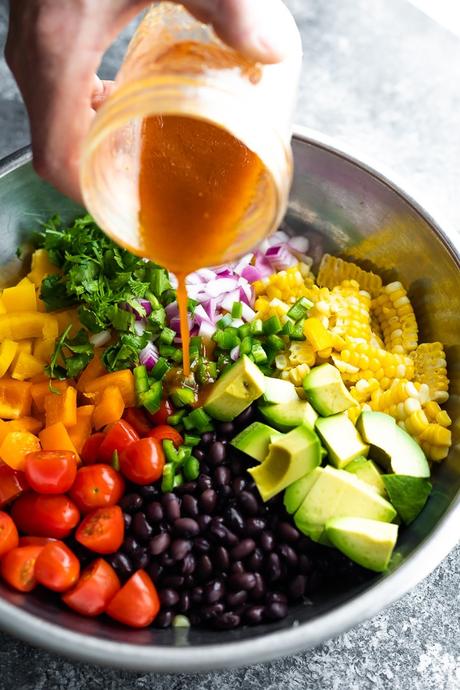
{"points": [[196, 184]]}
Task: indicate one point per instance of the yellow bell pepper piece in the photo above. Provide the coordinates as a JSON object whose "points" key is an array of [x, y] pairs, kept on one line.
{"points": [[44, 348], [15, 447], [41, 266], [316, 334], [27, 324], [2, 307], [26, 366], [15, 398], [21, 297], [24, 424], [8, 349]]}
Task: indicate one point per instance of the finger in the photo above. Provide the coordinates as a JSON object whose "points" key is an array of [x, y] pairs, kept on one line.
{"points": [[101, 91], [262, 30]]}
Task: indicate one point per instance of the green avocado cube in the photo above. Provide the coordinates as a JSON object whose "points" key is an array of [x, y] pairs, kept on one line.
{"points": [[235, 390], [255, 440], [326, 390], [341, 439], [369, 543]]}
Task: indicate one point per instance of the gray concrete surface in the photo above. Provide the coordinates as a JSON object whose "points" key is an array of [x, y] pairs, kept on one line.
{"points": [[384, 78]]}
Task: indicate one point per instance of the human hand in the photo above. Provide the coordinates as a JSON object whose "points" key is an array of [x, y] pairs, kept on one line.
{"points": [[54, 49]]}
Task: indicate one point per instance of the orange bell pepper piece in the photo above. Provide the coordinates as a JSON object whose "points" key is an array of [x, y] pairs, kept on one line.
{"points": [[123, 380], [110, 408], [23, 424], [93, 370], [61, 407], [15, 398], [40, 390], [56, 437], [82, 429], [15, 446]]}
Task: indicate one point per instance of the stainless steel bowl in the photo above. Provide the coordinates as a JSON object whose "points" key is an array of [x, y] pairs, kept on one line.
{"points": [[345, 206]]}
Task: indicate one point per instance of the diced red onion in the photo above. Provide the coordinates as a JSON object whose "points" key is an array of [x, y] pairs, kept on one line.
{"points": [[224, 272], [248, 313], [246, 294], [200, 314], [206, 329], [299, 244], [263, 265], [210, 307], [219, 286], [149, 355], [139, 327], [172, 310], [243, 263], [229, 300], [251, 274], [235, 353], [280, 257], [206, 274], [195, 291], [193, 279], [100, 339]]}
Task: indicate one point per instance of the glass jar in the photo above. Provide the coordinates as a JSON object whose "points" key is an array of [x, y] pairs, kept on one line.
{"points": [[176, 67]]}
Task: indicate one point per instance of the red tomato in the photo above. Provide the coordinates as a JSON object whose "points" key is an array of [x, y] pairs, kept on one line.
{"points": [[57, 568], [94, 590], [90, 451], [97, 486], [119, 436], [164, 431], [9, 537], [102, 530], [45, 516], [35, 541], [12, 484], [165, 411], [51, 471], [142, 462], [18, 566], [138, 420], [136, 604]]}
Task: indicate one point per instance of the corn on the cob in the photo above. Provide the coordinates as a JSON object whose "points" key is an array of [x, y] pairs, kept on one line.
{"points": [[301, 353], [396, 317], [430, 367], [296, 374], [333, 271], [373, 362]]}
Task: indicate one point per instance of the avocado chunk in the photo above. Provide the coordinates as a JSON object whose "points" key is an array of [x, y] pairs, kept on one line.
{"points": [[368, 471], [341, 439], [297, 491], [255, 440], [326, 391], [337, 493], [288, 459], [279, 391], [407, 494], [369, 543], [289, 415], [235, 390], [392, 447]]}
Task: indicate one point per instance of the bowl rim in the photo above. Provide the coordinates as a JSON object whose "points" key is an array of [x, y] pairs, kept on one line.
{"points": [[418, 565]]}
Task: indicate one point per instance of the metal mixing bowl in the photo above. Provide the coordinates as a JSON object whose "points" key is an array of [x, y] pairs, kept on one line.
{"points": [[346, 207]]}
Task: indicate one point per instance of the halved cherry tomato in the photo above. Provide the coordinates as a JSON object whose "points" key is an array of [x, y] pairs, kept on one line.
{"points": [[45, 516], [142, 462], [102, 530], [90, 451], [94, 590], [9, 537], [164, 431], [18, 566], [35, 541], [136, 604], [97, 486], [51, 471], [119, 436], [138, 420], [12, 484], [165, 411], [57, 568]]}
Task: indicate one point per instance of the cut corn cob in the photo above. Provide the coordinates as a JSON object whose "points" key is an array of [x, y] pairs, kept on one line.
{"points": [[430, 367], [333, 271], [373, 362], [396, 317]]}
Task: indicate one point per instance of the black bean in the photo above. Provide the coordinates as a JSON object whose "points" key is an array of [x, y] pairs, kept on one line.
{"points": [[188, 564], [201, 545], [187, 488], [140, 527], [204, 567], [199, 454], [121, 564], [242, 581], [273, 567], [154, 512], [159, 543], [180, 548], [196, 595], [235, 599], [238, 468], [223, 534], [184, 603], [214, 591], [254, 614], [305, 564], [267, 541], [258, 591], [203, 521], [243, 549], [190, 506], [208, 437], [130, 546], [168, 597], [127, 519], [296, 587], [189, 580], [256, 560], [164, 619], [245, 418], [167, 560], [288, 555], [171, 506], [212, 611], [186, 527], [140, 559], [208, 500], [204, 482], [222, 476], [255, 525], [195, 618], [216, 453], [248, 503], [225, 429], [130, 503], [237, 568], [227, 621], [155, 570], [148, 491], [276, 611], [276, 596], [234, 519], [174, 581], [238, 485], [288, 532], [221, 558]]}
